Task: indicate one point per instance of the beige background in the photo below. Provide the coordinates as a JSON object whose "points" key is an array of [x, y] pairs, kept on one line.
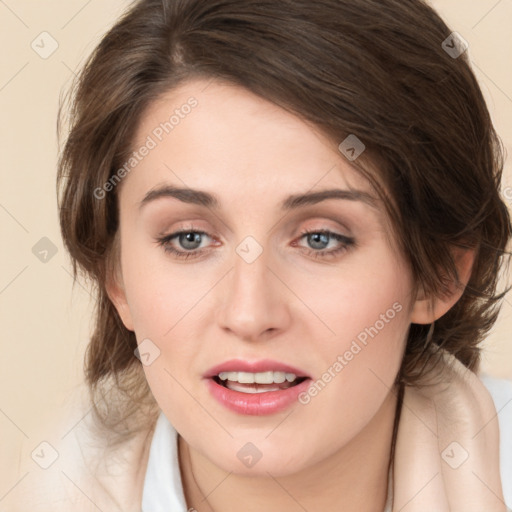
{"points": [[45, 324]]}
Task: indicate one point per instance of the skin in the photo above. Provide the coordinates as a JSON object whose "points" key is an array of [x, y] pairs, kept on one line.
{"points": [[286, 305]]}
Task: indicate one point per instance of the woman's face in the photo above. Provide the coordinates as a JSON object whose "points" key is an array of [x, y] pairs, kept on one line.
{"points": [[248, 291]]}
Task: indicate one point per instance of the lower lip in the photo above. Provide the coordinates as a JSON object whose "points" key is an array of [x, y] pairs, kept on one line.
{"points": [[257, 404]]}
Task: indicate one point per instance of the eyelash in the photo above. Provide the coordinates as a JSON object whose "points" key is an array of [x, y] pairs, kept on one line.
{"points": [[346, 244]]}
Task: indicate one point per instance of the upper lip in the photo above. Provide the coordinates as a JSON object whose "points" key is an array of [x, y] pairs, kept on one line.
{"points": [[263, 365]]}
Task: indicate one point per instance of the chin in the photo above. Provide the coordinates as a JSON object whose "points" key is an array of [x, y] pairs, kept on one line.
{"points": [[258, 459]]}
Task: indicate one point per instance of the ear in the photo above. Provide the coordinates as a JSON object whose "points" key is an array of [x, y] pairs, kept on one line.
{"points": [[116, 293], [428, 309]]}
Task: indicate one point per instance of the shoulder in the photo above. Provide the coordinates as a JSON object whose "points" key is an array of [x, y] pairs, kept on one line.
{"points": [[456, 414], [501, 393], [69, 467]]}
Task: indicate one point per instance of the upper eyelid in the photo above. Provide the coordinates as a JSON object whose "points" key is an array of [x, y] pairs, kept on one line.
{"points": [[318, 218]]}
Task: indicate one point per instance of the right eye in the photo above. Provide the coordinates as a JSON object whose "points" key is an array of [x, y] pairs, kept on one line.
{"points": [[188, 239]]}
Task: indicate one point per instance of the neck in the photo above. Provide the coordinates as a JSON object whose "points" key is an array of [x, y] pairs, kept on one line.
{"points": [[355, 477]]}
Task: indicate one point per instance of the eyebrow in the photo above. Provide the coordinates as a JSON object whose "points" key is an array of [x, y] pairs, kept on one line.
{"points": [[292, 202]]}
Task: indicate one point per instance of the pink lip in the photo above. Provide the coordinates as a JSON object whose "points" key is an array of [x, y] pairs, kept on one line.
{"points": [[264, 365], [256, 404]]}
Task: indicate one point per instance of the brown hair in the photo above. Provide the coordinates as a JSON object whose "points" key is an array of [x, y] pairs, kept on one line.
{"points": [[376, 69]]}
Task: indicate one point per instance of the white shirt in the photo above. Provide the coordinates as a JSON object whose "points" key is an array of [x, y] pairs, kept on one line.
{"points": [[163, 489]]}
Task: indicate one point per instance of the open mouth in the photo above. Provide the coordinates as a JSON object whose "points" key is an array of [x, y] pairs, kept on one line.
{"points": [[265, 387], [263, 382]]}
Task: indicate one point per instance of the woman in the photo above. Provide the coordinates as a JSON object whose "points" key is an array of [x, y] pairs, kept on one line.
{"points": [[291, 211]]}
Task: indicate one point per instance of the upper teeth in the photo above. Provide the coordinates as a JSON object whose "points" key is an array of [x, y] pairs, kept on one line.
{"points": [[258, 378]]}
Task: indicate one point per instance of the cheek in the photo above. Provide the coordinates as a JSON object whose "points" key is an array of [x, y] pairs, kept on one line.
{"points": [[365, 302], [159, 293], [367, 312], [360, 368]]}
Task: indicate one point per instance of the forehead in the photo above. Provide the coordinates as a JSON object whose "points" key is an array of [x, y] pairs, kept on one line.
{"points": [[242, 150]]}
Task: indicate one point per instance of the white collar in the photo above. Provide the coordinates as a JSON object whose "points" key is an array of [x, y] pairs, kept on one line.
{"points": [[163, 488]]}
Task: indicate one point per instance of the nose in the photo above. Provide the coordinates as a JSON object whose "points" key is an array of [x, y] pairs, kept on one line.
{"points": [[253, 300]]}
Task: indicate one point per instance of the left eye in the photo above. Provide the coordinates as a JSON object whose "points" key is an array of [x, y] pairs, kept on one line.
{"points": [[319, 239]]}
